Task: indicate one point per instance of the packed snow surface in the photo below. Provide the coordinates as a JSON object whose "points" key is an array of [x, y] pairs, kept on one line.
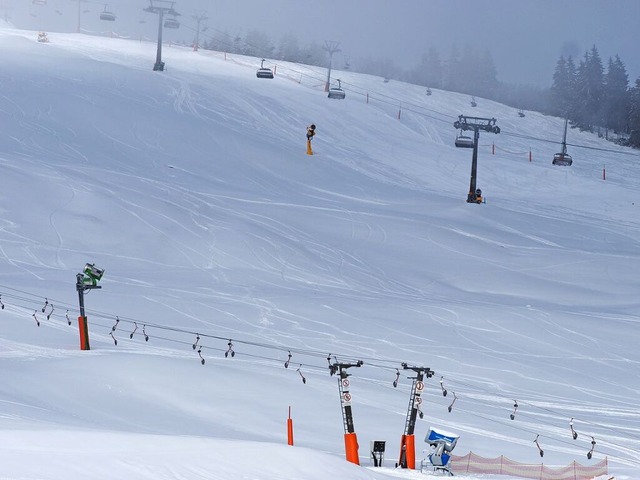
{"points": [[218, 235]]}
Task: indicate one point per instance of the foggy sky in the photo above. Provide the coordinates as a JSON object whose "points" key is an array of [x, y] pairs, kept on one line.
{"points": [[525, 37]]}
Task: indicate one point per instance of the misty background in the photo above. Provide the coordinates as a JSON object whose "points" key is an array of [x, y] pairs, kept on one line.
{"points": [[525, 37]]}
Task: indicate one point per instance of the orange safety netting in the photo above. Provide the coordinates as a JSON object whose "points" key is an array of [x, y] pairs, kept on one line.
{"points": [[472, 463]]}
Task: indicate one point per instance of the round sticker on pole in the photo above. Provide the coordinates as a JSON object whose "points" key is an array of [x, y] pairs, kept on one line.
{"points": [[346, 398], [419, 386], [345, 383]]}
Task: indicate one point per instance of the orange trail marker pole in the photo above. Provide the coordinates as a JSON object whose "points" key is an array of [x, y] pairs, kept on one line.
{"points": [[289, 429]]}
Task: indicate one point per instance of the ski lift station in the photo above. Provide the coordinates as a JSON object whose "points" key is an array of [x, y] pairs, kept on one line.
{"points": [[337, 92], [264, 72]]}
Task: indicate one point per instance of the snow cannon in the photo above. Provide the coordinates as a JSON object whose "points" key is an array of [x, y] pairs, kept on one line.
{"points": [[443, 444]]}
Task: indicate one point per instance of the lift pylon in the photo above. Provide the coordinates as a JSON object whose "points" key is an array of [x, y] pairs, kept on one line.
{"points": [[476, 124], [350, 437], [407, 443], [161, 7]]}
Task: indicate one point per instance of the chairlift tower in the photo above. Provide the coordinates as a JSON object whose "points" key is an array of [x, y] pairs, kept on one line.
{"points": [[407, 444], [199, 17], [80, 2], [476, 124], [160, 7], [330, 48], [563, 158], [350, 438]]}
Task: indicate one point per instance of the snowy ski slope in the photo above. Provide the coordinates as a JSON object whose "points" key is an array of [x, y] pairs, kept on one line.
{"points": [[192, 189]]}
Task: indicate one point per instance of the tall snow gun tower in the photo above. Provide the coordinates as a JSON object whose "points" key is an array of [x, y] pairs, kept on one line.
{"points": [[85, 281]]}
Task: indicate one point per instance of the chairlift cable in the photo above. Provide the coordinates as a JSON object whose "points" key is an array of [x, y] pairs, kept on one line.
{"points": [[280, 348]]}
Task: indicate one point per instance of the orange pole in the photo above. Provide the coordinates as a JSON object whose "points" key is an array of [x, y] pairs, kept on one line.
{"points": [[84, 333], [403, 448], [351, 448], [407, 452], [290, 429], [411, 451]]}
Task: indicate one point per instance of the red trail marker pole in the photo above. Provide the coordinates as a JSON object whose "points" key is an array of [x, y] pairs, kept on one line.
{"points": [[290, 429]]}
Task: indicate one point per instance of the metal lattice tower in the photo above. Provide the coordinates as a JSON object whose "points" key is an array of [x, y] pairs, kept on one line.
{"points": [[415, 400], [345, 396]]}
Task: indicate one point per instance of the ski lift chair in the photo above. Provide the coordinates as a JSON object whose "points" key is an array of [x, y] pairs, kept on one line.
{"points": [[562, 159], [443, 444], [520, 113], [171, 23], [107, 15], [428, 91], [473, 102], [264, 72], [337, 92], [464, 141]]}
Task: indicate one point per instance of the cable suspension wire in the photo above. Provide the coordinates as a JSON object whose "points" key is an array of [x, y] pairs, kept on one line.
{"points": [[548, 410], [408, 106], [372, 362]]}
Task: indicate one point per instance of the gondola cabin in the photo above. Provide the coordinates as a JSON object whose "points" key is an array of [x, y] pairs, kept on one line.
{"points": [[562, 159], [107, 15], [464, 141], [337, 92], [264, 72], [171, 23]]}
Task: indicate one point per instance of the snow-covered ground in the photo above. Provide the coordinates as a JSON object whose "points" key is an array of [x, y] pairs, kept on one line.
{"points": [[192, 189]]}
